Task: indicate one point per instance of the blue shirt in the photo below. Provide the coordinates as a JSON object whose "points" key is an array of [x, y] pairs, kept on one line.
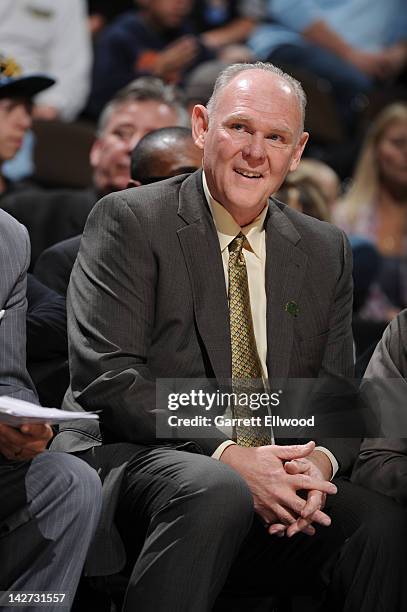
{"points": [[368, 25]]}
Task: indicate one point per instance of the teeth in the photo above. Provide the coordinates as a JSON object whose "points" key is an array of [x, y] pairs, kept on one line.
{"points": [[248, 174]]}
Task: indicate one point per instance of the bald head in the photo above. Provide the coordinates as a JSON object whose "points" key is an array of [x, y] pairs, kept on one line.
{"points": [[164, 153], [251, 136], [237, 70]]}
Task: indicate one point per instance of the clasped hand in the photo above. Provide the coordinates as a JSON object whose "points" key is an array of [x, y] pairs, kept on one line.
{"points": [[275, 474]]}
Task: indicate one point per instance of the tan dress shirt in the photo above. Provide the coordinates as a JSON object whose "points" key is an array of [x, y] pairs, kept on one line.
{"points": [[255, 255]]}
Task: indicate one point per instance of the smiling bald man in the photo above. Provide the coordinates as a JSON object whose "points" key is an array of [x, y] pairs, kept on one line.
{"points": [[190, 278]]}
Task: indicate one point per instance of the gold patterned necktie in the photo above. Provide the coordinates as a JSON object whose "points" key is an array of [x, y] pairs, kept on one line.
{"points": [[246, 366]]}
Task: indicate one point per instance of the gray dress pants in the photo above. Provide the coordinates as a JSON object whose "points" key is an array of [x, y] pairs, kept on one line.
{"points": [[49, 510], [192, 538]]}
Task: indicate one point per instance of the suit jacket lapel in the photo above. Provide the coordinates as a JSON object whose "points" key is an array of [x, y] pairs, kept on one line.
{"points": [[200, 246], [285, 268]]}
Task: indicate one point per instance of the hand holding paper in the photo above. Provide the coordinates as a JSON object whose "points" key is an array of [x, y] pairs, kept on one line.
{"points": [[17, 412]]}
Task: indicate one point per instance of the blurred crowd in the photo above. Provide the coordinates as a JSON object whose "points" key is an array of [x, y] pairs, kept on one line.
{"points": [[126, 77]]}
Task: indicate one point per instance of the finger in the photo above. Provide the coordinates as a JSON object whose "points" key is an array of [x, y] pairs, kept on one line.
{"points": [[34, 447], [300, 526], [294, 451], [277, 529], [33, 429], [296, 466], [313, 503], [283, 515], [320, 517], [12, 436], [292, 502], [39, 431], [296, 504], [7, 451], [17, 454], [302, 481]]}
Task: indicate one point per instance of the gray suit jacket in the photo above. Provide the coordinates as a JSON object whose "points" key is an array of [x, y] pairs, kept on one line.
{"points": [[147, 300], [14, 261], [382, 462]]}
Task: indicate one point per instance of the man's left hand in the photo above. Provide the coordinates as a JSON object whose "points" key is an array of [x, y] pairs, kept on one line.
{"points": [[316, 465]]}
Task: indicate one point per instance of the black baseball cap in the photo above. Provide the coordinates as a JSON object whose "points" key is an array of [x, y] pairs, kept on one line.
{"points": [[14, 84]]}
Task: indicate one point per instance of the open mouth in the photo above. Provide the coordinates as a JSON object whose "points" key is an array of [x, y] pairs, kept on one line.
{"points": [[248, 174]]}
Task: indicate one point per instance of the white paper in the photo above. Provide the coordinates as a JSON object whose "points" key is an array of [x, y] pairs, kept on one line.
{"points": [[18, 412]]}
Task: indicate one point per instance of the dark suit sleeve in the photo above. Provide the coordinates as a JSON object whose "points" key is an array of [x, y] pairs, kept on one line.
{"points": [[382, 463], [338, 356], [46, 322], [54, 266], [14, 261]]}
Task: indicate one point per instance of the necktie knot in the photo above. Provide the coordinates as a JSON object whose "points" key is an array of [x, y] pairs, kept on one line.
{"points": [[235, 249]]}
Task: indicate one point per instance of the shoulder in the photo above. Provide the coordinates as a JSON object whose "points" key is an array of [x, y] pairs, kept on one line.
{"points": [[154, 202], [127, 22], [65, 249], [41, 199], [312, 232], [395, 336], [14, 249], [389, 359], [12, 232]]}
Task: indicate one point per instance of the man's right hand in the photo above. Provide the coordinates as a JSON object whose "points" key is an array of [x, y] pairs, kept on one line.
{"points": [[375, 64], [274, 490]]}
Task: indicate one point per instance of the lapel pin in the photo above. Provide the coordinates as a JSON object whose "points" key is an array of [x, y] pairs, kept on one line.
{"points": [[292, 308]]}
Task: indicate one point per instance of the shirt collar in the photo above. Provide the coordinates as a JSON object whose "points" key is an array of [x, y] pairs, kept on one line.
{"points": [[227, 228]]}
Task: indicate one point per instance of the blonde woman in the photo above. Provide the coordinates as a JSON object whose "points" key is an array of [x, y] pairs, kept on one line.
{"points": [[375, 206]]}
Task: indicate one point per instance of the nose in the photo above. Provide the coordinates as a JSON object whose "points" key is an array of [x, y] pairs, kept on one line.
{"points": [[254, 150], [134, 140]]}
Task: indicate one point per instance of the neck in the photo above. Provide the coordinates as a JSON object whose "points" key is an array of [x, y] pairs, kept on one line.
{"points": [[391, 195], [245, 217]]}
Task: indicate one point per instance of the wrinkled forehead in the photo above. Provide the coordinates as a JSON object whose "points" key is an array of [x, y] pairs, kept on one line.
{"points": [[137, 113], [262, 91]]}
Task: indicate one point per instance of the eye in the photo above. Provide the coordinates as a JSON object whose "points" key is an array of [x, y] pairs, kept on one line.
{"points": [[276, 137], [238, 127], [123, 134]]}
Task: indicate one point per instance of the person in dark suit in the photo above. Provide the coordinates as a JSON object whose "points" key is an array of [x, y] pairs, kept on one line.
{"points": [[160, 154], [172, 282], [47, 342], [382, 462], [50, 502]]}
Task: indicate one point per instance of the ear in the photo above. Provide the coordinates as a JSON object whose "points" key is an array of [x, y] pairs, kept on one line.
{"points": [[298, 151], [94, 154], [199, 123], [132, 183]]}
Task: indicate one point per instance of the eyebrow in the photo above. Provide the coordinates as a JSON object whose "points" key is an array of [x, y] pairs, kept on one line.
{"points": [[238, 117], [245, 118], [124, 125]]}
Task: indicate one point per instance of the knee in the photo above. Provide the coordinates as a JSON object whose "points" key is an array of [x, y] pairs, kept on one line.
{"points": [[223, 497], [71, 481], [387, 524], [82, 481]]}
